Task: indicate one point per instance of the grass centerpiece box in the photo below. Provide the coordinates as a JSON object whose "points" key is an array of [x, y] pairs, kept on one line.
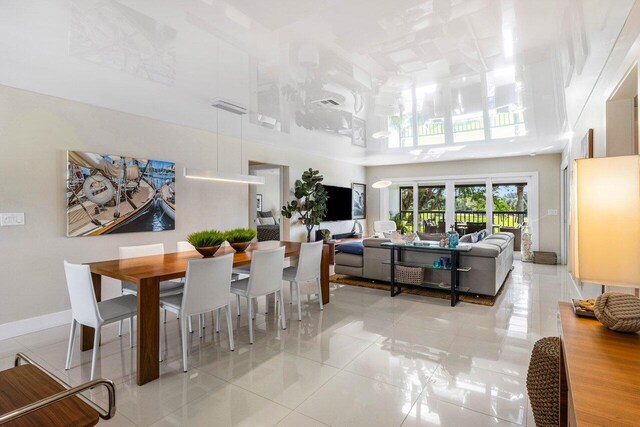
{"points": [[240, 238], [207, 242]]}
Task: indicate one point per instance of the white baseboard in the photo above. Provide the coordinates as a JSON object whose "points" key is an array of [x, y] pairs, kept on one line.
{"points": [[34, 324]]}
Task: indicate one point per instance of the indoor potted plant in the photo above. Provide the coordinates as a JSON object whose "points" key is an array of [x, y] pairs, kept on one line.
{"points": [[207, 242], [240, 238], [310, 203]]}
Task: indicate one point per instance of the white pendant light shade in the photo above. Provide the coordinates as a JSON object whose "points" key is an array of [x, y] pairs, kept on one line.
{"points": [[211, 175], [381, 134], [381, 183]]}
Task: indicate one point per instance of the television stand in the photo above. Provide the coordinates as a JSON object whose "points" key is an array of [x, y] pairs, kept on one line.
{"points": [[341, 236]]}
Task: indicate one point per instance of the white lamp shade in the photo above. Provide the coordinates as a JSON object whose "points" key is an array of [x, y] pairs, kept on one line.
{"points": [[608, 221]]}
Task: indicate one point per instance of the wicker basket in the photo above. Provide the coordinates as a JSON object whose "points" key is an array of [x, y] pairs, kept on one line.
{"points": [[618, 312], [549, 258], [409, 275], [543, 382]]}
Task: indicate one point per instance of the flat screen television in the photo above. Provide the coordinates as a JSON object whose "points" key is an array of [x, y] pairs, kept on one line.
{"points": [[338, 204]]}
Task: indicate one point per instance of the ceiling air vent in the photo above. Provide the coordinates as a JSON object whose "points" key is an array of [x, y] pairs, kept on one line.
{"points": [[230, 106], [329, 102]]}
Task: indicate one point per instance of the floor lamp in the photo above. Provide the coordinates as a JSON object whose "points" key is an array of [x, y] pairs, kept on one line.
{"points": [[608, 221]]}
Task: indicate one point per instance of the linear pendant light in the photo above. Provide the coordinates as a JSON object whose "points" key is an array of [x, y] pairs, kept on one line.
{"points": [[216, 175]]}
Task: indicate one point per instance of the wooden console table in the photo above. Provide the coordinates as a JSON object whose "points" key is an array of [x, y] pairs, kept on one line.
{"points": [[600, 373]]}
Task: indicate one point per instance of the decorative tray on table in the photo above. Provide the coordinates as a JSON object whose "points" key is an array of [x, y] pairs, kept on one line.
{"points": [[584, 307]]}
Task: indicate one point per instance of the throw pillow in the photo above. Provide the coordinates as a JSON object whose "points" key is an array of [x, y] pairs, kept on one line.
{"points": [[355, 248], [474, 237], [267, 221], [482, 234]]}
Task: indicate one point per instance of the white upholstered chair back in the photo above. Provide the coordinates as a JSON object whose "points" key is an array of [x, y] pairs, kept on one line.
{"points": [[142, 250], [309, 261], [83, 298], [207, 284], [266, 271]]}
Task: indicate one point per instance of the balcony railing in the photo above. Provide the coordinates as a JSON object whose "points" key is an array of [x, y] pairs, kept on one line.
{"points": [[430, 221], [509, 219]]}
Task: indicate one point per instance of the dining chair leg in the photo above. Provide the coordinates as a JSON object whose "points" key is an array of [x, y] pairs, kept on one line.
{"points": [[299, 302], [250, 308], [120, 328], [72, 337], [254, 310], [218, 320], [96, 348], [227, 310], [320, 294], [164, 316], [160, 342], [183, 335], [290, 292], [190, 325], [131, 331], [200, 325], [238, 303], [282, 319]]}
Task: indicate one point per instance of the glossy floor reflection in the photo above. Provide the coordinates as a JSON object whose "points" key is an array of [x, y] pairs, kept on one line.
{"points": [[366, 360]]}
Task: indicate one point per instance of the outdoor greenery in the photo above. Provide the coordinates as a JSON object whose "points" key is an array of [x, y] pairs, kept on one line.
{"points": [[239, 235], [470, 204], [206, 238], [311, 201], [402, 225]]}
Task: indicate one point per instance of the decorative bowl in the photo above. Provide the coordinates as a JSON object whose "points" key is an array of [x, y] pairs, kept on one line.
{"points": [[240, 246], [208, 251]]}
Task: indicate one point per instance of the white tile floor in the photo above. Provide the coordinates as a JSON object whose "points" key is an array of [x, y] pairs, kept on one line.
{"points": [[366, 360]]}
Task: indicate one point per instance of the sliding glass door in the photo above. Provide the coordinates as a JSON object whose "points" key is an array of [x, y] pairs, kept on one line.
{"points": [[491, 204]]}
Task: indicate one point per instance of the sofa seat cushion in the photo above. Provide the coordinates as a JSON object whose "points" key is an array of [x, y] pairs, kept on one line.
{"points": [[355, 248], [483, 249], [351, 260]]}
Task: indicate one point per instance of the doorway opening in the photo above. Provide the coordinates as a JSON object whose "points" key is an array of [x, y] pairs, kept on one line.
{"points": [[265, 201]]}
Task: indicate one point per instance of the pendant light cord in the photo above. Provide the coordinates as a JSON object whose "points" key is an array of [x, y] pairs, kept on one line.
{"points": [[217, 142]]}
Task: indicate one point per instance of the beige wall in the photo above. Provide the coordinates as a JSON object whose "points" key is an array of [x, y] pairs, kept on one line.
{"points": [[547, 166], [35, 132]]}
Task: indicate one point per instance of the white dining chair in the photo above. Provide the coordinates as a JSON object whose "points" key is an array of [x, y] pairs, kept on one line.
{"points": [[265, 278], [167, 287], [206, 288], [184, 246], [307, 270], [88, 312]]}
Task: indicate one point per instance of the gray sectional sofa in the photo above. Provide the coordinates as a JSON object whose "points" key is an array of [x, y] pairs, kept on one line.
{"points": [[490, 260]]}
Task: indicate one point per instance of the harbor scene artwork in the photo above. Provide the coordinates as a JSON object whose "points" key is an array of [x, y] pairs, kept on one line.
{"points": [[109, 194]]}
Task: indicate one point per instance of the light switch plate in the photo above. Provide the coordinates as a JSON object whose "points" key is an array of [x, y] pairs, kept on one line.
{"points": [[552, 212], [9, 219]]}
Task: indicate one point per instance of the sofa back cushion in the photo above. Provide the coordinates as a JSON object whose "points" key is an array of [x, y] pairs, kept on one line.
{"points": [[374, 242]]}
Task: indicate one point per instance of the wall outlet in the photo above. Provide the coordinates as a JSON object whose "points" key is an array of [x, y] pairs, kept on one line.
{"points": [[8, 219], [552, 212]]}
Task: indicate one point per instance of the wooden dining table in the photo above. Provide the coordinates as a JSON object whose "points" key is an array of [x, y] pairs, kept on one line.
{"points": [[147, 273]]}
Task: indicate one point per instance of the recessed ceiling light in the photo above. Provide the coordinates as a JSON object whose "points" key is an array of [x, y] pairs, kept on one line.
{"points": [[381, 134]]}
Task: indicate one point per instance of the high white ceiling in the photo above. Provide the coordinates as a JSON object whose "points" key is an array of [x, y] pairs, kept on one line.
{"points": [[288, 60]]}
